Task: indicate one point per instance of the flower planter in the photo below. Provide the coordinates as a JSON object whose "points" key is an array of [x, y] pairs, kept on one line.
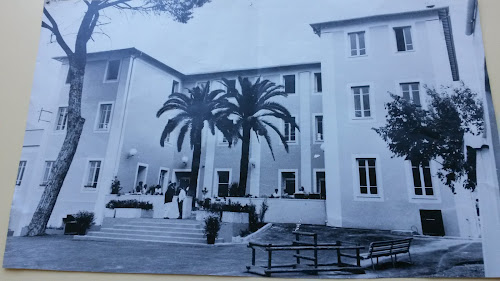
{"points": [[235, 217], [130, 213], [211, 239]]}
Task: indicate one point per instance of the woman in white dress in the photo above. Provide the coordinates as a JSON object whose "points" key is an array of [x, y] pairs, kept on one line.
{"points": [[170, 210]]}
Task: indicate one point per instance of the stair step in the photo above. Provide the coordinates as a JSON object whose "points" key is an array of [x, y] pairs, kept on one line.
{"points": [[184, 241], [165, 233], [146, 236], [185, 225], [154, 227]]}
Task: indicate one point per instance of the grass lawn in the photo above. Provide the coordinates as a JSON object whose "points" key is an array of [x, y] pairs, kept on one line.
{"points": [[431, 256]]}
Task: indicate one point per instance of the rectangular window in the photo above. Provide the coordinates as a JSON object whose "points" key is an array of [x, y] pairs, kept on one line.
{"points": [[113, 70], [288, 182], [358, 45], [62, 118], [223, 183], [162, 179], [289, 81], [411, 92], [367, 176], [175, 87], [290, 135], [422, 180], [319, 127], [404, 40], [361, 102], [20, 172], [318, 84], [231, 83], [93, 174], [104, 117], [47, 173]]}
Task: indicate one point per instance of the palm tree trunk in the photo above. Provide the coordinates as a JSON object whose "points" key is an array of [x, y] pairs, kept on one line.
{"points": [[245, 155], [62, 164], [195, 165]]}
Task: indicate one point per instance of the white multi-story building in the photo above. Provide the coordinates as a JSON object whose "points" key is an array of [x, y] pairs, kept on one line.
{"points": [[336, 155]]}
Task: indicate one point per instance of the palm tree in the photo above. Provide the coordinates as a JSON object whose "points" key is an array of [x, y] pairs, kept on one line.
{"points": [[254, 109], [193, 110]]}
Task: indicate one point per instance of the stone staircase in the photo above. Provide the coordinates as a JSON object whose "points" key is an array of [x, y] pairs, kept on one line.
{"points": [[173, 231]]}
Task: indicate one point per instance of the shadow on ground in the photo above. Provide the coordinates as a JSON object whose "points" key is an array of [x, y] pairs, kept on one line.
{"points": [[432, 257]]}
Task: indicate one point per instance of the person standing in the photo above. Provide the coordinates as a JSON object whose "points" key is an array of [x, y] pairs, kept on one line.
{"points": [[180, 201], [169, 204]]}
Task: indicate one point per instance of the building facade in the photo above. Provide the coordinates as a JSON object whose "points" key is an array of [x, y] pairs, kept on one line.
{"points": [[336, 154]]}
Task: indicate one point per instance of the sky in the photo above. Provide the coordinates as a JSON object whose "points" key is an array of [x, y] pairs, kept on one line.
{"points": [[223, 34]]}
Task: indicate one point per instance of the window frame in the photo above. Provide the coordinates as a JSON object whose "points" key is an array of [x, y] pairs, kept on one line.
{"points": [[146, 166], [283, 126], [98, 117], [395, 41], [280, 180], [358, 196], [284, 83], [174, 84], [358, 49], [105, 79], [350, 88], [215, 185], [43, 182], [412, 197], [400, 84], [20, 174], [315, 128], [315, 84], [315, 180], [161, 169], [85, 187], [57, 120]]}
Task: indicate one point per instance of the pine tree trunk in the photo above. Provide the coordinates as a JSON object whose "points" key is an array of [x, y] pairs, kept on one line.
{"points": [[245, 155], [195, 165], [62, 164]]}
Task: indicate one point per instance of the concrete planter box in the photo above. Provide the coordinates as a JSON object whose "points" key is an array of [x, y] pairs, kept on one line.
{"points": [[235, 217], [130, 213], [202, 215], [109, 213]]}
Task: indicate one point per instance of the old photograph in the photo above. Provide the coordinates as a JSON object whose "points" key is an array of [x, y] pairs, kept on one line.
{"points": [[303, 139]]}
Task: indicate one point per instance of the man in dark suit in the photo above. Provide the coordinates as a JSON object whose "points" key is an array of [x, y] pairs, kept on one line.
{"points": [[169, 196]]}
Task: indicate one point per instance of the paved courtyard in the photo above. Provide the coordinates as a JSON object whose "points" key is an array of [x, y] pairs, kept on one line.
{"points": [[432, 257]]}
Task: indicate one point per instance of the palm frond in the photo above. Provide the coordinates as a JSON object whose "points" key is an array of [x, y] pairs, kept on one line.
{"points": [[182, 134], [282, 138]]}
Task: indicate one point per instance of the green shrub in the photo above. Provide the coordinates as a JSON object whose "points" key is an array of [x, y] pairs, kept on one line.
{"points": [[211, 228], [114, 204], [115, 186], [263, 210], [85, 219]]}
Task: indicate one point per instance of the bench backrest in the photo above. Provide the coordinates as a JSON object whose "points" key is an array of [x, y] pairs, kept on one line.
{"points": [[391, 246]]}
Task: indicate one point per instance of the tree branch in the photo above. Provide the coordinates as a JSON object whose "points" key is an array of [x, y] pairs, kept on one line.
{"points": [[55, 30]]}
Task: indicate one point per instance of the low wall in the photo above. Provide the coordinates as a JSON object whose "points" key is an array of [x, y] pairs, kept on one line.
{"points": [[156, 200], [281, 210]]}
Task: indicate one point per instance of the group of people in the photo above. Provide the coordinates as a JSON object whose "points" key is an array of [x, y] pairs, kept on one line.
{"points": [[171, 207], [277, 194], [144, 189]]}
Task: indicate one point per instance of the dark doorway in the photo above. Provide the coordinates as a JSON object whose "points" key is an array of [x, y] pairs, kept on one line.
{"points": [[183, 179], [320, 184], [432, 222]]}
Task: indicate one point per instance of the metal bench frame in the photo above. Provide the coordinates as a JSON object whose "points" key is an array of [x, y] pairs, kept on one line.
{"points": [[300, 245], [388, 248]]}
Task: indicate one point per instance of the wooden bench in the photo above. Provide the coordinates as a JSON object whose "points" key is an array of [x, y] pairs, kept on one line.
{"points": [[299, 246], [388, 248]]}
